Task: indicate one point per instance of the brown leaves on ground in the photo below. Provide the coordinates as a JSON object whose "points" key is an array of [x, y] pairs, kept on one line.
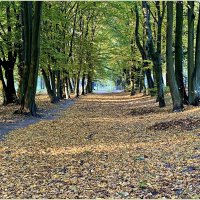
{"points": [[98, 150], [179, 125], [6, 112]]}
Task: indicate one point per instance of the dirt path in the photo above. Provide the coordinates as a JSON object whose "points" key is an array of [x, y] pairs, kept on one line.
{"points": [[104, 146]]}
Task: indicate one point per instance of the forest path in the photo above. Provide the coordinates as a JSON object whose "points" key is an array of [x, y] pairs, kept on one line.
{"points": [[43, 114], [108, 145]]}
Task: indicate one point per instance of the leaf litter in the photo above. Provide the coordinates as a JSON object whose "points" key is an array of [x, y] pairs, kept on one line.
{"points": [[96, 149]]}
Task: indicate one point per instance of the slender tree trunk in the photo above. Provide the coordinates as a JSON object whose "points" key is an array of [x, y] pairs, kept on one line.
{"points": [[27, 18], [68, 85], [132, 81], [77, 85], [3, 87], [71, 87], [137, 76], [58, 88], [141, 82], [143, 54], [9, 64], [196, 77], [10, 86], [177, 103], [67, 88], [53, 82], [83, 84], [89, 82], [191, 92], [179, 52], [155, 56], [20, 46], [149, 78], [51, 94]]}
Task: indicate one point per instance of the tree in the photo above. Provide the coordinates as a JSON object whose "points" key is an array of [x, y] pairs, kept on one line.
{"points": [[32, 49], [179, 52], [177, 103], [196, 75], [143, 54], [155, 56], [9, 54], [191, 94]]}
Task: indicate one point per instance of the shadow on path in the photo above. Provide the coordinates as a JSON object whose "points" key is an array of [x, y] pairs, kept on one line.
{"points": [[42, 115]]}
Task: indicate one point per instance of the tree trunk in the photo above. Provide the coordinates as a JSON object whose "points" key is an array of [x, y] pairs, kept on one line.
{"points": [[32, 49], [155, 56], [83, 84], [10, 86], [191, 92], [141, 82], [58, 85], [179, 52], [196, 79], [77, 84], [71, 86], [3, 87], [67, 89], [177, 103], [143, 54], [20, 46], [89, 82], [132, 81], [50, 92]]}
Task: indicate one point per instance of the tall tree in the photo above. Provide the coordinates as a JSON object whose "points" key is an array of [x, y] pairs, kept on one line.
{"points": [[177, 103], [143, 53], [32, 50], [179, 52], [155, 56], [196, 75], [191, 17], [9, 55]]}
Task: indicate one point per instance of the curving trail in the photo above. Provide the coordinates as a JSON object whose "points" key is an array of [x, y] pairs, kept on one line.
{"points": [[103, 146]]}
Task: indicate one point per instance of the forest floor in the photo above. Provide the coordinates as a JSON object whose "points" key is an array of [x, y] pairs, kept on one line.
{"points": [[45, 111], [105, 146]]}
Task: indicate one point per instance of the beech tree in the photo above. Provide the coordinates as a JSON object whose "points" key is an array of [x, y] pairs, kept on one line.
{"points": [[177, 103], [8, 50], [179, 52], [155, 56], [196, 75], [190, 59], [32, 50], [143, 53]]}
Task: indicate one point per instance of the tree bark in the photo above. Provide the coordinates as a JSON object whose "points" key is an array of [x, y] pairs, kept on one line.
{"points": [[58, 85], [9, 62], [177, 103], [77, 93], [179, 52], [3, 87], [191, 17], [83, 84], [50, 92], [89, 82], [133, 81], [196, 77], [143, 54], [155, 56], [11, 96], [32, 50], [67, 87]]}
